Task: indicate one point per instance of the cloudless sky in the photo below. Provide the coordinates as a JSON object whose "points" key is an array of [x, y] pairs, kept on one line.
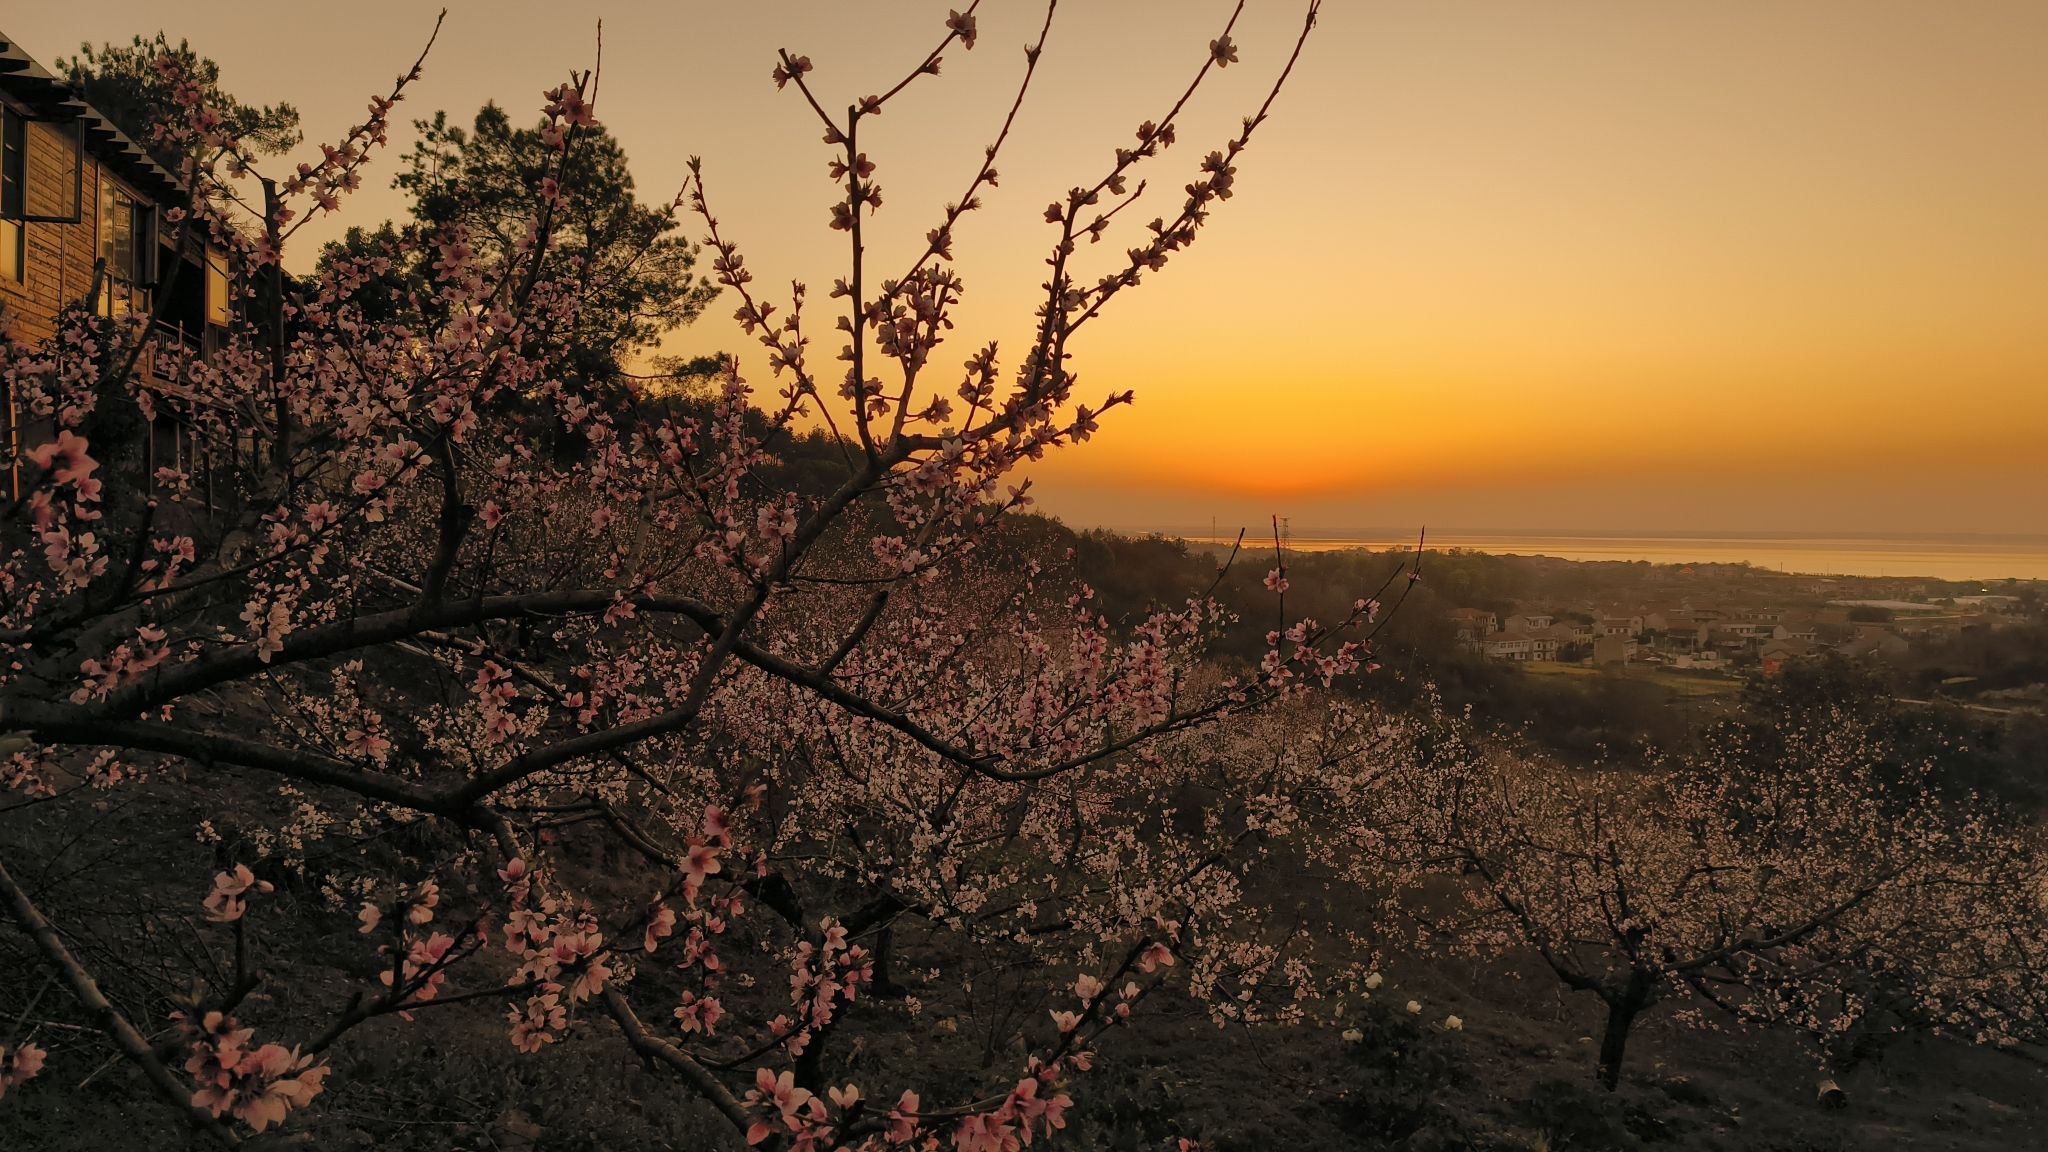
{"points": [[1613, 264]]}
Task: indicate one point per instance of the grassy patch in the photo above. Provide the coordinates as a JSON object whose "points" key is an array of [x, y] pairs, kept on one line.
{"points": [[1676, 683], [1553, 668]]}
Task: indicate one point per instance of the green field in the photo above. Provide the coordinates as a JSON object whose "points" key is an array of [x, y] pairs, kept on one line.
{"points": [[1549, 668], [1685, 685], [1677, 683]]}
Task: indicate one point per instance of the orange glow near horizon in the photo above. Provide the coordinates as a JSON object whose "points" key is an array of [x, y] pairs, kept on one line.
{"points": [[1592, 263]]}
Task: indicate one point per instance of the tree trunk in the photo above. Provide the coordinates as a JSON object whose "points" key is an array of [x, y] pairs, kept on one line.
{"points": [[884, 984], [810, 1063], [1621, 1014], [273, 318]]}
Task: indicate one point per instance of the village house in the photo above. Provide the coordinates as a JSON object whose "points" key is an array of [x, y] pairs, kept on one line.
{"points": [[1536, 645], [81, 209], [1614, 648], [1630, 626], [1989, 603], [1547, 642], [1931, 625], [1801, 625], [1740, 632], [1473, 625], [1875, 643], [1775, 654], [1528, 636], [1713, 638], [1507, 646], [1682, 637]]}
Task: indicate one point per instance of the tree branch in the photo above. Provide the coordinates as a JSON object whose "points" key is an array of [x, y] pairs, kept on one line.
{"points": [[124, 1034]]}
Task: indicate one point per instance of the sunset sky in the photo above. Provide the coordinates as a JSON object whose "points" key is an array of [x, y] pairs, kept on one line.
{"points": [[1576, 264]]}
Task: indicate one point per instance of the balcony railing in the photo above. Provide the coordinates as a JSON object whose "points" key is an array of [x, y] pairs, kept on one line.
{"points": [[168, 335]]}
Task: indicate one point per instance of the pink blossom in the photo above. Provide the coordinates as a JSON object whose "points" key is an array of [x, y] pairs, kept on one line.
{"points": [[65, 457], [321, 515], [420, 909], [1156, 956], [536, 1024], [660, 924], [699, 862], [962, 25], [903, 1119], [986, 1132], [796, 68], [19, 1065], [781, 1094], [224, 904], [716, 829], [257, 1086], [699, 1014]]}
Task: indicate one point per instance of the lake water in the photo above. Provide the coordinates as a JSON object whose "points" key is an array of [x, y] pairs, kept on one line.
{"points": [[1957, 557]]}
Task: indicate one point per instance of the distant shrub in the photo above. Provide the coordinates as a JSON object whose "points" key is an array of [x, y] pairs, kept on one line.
{"points": [[1402, 1071]]}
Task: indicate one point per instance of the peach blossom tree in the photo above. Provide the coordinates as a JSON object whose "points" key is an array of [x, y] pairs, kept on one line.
{"points": [[1738, 885], [676, 746]]}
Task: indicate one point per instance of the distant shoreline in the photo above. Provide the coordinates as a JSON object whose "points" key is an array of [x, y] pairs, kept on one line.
{"points": [[1954, 557]]}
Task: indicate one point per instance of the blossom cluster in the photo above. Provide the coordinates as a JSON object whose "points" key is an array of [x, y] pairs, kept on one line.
{"points": [[256, 1084]]}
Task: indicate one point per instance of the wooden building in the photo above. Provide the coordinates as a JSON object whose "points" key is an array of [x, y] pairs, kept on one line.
{"points": [[81, 209]]}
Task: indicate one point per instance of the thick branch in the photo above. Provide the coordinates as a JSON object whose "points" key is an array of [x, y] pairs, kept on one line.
{"points": [[654, 1048], [79, 726], [124, 1034]]}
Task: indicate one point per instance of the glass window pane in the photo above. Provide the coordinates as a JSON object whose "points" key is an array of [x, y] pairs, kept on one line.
{"points": [[12, 258], [121, 253], [144, 266], [106, 222], [13, 165], [216, 287]]}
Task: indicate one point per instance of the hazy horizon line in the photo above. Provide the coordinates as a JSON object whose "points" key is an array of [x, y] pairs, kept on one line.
{"points": [[1376, 533]]}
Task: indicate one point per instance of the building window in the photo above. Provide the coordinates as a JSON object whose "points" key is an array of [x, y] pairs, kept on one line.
{"points": [[13, 197], [128, 248], [218, 311]]}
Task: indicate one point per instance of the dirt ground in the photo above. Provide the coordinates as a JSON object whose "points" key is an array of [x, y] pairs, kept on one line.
{"points": [[1517, 1076]]}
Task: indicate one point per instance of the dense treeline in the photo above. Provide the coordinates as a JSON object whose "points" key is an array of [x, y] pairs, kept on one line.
{"points": [[1582, 718]]}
